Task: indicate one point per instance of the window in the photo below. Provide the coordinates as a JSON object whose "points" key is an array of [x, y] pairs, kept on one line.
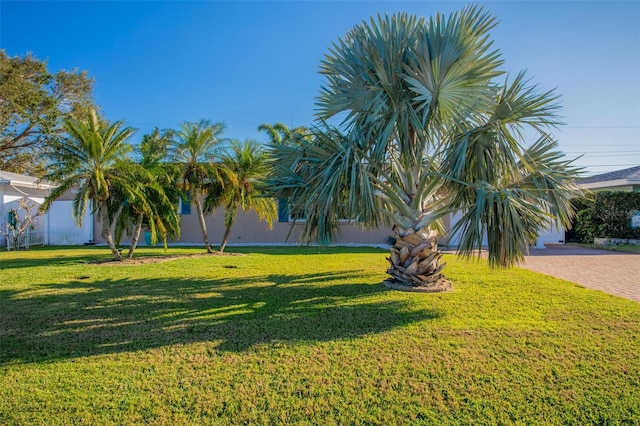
{"points": [[284, 212], [185, 204]]}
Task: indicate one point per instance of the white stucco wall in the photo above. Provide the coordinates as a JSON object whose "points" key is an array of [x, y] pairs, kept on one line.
{"points": [[62, 229]]}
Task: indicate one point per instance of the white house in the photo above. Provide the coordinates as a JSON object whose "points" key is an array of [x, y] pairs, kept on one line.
{"points": [[56, 227]]}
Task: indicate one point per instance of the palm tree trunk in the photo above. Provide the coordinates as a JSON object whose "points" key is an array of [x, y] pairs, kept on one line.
{"points": [[203, 225], [107, 232], [136, 236], [229, 220], [415, 261], [225, 238]]}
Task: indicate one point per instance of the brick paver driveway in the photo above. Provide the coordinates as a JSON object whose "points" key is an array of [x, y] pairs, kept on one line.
{"points": [[613, 272]]}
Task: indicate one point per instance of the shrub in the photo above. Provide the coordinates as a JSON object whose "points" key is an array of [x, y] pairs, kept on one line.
{"points": [[608, 215], [584, 227]]}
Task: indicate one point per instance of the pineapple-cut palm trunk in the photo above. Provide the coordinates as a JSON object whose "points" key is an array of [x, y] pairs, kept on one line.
{"points": [[415, 261]]}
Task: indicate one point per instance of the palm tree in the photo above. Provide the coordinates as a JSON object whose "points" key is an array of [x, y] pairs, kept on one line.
{"points": [[197, 149], [92, 161], [247, 163], [157, 210], [429, 130], [279, 133]]}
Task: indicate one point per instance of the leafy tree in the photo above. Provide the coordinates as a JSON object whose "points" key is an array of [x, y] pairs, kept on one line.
{"points": [[197, 149], [429, 130], [156, 180], [247, 163], [92, 160], [33, 105]]}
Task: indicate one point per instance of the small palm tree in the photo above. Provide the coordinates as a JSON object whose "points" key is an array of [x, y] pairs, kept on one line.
{"points": [[279, 133], [92, 160], [157, 210], [429, 131], [197, 149], [247, 163]]}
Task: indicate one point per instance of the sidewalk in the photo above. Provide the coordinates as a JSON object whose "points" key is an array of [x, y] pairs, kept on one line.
{"points": [[609, 271]]}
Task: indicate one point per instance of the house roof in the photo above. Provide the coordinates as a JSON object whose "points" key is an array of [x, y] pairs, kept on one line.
{"points": [[619, 177], [9, 178]]}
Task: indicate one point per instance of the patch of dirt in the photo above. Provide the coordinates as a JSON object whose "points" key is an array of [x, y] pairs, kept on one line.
{"points": [[146, 260], [441, 287]]}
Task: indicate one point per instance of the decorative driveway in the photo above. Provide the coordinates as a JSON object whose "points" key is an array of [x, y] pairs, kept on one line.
{"points": [[609, 271]]}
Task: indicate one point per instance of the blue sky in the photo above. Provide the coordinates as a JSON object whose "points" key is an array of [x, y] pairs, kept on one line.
{"points": [[246, 63]]}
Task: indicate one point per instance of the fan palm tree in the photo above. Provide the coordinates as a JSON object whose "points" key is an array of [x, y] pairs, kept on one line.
{"points": [[92, 160], [157, 210], [197, 149], [429, 130], [248, 165]]}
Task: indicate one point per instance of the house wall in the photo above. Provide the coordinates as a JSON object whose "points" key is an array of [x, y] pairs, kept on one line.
{"points": [[552, 235], [62, 228], [549, 235], [248, 229]]}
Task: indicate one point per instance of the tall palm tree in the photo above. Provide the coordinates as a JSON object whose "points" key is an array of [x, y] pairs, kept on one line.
{"points": [[92, 159], [197, 149], [157, 210], [429, 130], [247, 163]]}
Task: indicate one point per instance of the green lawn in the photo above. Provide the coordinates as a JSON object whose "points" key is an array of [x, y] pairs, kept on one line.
{"points": [[627, 248], [305, 336]]}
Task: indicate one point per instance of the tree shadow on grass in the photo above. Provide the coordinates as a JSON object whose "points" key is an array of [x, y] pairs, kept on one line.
{"points": [[83, 318], [58, 256], [61, 260]]}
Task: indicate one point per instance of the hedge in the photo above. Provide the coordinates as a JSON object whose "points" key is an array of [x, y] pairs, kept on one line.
{"points": [[607, 215]]}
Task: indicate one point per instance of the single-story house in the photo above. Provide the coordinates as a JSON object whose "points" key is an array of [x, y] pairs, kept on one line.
{"points": [[59, 228]]}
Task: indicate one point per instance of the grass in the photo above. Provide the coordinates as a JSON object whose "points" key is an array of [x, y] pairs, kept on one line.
{"points": [[627, 248], [305, 336]]}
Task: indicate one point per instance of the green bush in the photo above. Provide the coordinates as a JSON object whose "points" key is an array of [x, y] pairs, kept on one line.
{"points": [[584, 227], [608, 215]]}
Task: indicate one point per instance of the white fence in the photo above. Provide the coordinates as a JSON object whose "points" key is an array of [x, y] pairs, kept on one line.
{"points": [[30, 238]]}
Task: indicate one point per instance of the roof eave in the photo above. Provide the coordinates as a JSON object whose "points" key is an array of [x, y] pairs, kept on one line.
{"points": [[608, 183], [28, 184]]}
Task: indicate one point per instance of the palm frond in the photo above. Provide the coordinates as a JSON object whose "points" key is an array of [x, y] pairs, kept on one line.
{"points": [[506, 219], [327, 180], [550, 179], [239, 183]]}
